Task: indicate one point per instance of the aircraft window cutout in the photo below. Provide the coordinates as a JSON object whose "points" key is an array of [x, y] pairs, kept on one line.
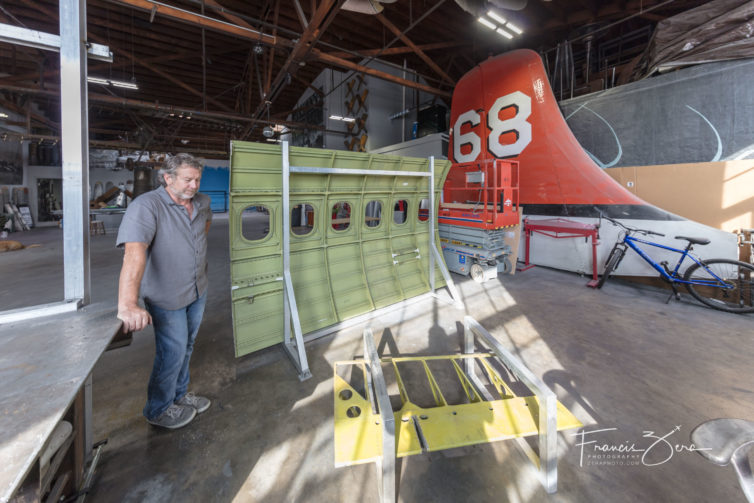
{"points": [[423, 213], [341, 216], [373, 214], [302, 219], [255, 222], [400, 212]]}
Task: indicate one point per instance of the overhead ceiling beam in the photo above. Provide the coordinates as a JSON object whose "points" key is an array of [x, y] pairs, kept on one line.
{"points": [[280, 42], [131, 57], [398, 33], [308, 84], [39, 118], [200, 20], [607, 12], [110, 66], [396, 50], [268, 81], [320, 21], [379, 74], [160, 107], [301, 15]]}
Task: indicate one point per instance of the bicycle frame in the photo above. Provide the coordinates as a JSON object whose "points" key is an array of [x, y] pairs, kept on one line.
{"points": [[631, 241]]}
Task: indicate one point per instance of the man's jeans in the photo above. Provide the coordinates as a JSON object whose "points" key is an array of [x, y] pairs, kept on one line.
{"points": [[174, 334]]}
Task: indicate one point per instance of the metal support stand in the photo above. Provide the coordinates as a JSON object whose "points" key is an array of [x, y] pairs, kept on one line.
{"points": [[386, 467], [295, 348], [367, 428], [434, 253], [547, 461], [560, 228]]}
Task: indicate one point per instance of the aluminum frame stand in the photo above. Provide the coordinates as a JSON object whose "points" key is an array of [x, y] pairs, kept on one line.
{"points": [[294, 343], [386, 466], [294, 349], [547, 460]]}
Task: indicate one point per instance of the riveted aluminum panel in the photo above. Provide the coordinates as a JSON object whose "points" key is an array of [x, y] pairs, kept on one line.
{"points": [[337, 273]]}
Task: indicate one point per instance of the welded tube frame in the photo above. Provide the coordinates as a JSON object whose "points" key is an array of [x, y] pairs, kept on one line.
{"points": [[290, 308], [434, 254], [386, 467], [547, 461], [48, 41]]}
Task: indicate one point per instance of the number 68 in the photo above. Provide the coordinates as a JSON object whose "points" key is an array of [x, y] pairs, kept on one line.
{"points": [[517, 124]]}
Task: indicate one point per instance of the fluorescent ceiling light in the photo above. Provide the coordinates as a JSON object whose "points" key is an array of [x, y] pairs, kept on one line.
{"points": [[125, 85], [336, 117], [504, 33], [512, 27], [496, 17], [349, 119], [486, 23], [273, 140], [114, 83], [3, 115]]}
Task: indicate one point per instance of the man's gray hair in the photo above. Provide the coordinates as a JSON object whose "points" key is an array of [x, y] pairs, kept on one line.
{"points": [[177, 161]]}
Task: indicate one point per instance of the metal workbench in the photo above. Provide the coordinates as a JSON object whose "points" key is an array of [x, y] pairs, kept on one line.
{"points": [[45, 364]]}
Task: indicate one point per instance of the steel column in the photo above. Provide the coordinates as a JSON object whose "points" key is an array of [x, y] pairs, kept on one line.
{"points": [[75, 150]]}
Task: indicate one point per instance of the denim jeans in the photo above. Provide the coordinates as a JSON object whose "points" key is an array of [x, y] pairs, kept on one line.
{"points": [[174, 335]]}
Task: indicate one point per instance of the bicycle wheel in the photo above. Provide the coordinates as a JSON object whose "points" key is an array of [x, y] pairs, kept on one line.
{"points": [[735, 294], [616, 254]]}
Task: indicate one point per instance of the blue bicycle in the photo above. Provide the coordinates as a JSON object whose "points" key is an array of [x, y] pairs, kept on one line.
{"points": [[718, 283]]}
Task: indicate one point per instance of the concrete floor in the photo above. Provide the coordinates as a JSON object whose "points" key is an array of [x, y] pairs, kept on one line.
{"points": [[618, 358]]}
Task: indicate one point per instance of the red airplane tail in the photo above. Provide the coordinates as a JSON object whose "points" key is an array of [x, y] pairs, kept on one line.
{"points": [[505, 109]]}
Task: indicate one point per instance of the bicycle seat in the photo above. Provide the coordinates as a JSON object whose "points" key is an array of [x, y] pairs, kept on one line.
{"points": [[696, 241], [722, 438], [728, 441]]}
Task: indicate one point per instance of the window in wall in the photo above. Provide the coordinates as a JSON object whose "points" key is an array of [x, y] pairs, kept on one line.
{"points": [[341, 216], [400, 211], [424, 210], [255, 222], [302, 219], [373, 214]]}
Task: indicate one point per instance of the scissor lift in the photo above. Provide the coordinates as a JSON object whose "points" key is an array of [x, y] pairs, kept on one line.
{"points": [[367, 429], [480, 201]]}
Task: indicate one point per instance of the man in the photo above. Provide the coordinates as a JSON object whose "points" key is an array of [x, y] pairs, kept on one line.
{"points": [[164, 233]]}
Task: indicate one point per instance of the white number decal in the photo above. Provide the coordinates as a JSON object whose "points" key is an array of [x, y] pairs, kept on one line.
{"points": [[469, 138], [517, 124]]}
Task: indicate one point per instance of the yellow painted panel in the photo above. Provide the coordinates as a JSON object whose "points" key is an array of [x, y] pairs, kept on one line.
{"points": [[359, 439]]}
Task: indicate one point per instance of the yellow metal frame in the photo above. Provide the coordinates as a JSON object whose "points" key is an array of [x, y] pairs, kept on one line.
{"points": [[367, 429], [358, 434]]}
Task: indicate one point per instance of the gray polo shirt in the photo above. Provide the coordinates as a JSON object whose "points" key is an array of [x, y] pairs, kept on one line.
{"points": [[176, 272]]}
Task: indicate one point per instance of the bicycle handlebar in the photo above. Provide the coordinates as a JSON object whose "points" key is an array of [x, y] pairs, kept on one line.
{"points": [[627, 228]]}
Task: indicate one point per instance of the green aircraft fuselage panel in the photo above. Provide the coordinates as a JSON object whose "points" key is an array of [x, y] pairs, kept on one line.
{"points": [[357, 243]]}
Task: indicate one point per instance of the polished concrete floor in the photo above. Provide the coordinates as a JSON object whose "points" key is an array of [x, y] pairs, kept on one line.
{"points": [[621, 359]]}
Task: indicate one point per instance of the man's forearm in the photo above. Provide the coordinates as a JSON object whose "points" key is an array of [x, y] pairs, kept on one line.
{"points": [[134, 263]]}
